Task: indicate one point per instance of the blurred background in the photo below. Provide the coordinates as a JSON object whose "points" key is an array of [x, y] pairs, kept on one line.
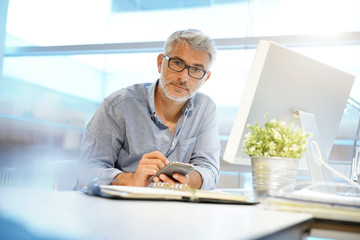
{"points": [[59, 59]]}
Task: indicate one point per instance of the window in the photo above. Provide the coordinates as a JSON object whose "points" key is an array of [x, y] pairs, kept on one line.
{"points": [[63, 57]]}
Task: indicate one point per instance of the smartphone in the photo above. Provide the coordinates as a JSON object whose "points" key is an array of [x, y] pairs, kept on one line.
{"points": [[174, 167]]}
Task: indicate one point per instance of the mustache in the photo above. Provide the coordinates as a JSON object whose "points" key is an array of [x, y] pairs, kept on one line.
{"points": [[179, 84]]}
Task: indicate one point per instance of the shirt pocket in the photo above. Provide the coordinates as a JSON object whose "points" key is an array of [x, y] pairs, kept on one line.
{"points": [[183, 150]]}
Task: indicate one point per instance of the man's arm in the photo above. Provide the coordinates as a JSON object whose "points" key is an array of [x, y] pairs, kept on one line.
{"points": [[148, 166], [103, 136], [206, 152]]}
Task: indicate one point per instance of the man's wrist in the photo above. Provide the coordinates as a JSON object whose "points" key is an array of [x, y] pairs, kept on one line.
{"points": [[124, 179]]}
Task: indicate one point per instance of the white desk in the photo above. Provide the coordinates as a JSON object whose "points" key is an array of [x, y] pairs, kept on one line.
{"points": [[74, 215]]}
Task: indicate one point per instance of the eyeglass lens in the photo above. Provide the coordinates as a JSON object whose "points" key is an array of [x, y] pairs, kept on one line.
{"points": [[179, 66]]}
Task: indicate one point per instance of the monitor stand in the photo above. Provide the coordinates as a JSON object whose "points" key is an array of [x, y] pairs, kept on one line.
{"points": [[317, 171]]}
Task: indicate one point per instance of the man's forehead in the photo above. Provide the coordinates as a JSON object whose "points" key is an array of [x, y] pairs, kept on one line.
{"points": [[189, 55]]}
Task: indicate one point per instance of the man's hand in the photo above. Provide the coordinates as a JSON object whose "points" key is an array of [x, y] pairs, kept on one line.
{"points": [[149, 164], [193, 179]]}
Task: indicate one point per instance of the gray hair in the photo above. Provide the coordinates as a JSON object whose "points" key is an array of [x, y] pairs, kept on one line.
{"points": [[195, 38]]}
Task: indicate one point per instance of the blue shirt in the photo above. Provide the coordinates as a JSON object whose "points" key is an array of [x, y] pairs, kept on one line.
{"points": [[125, 127]]}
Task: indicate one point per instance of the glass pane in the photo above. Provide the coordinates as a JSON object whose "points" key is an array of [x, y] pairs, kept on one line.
{"points": [[283, 17], [68, 22], [60, 73], [126, 69], [41, 130], [45, 104], [59, 22], [228, 77]]}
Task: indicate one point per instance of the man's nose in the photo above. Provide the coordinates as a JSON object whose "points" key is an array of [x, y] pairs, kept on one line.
{"points": [[183, 75]]}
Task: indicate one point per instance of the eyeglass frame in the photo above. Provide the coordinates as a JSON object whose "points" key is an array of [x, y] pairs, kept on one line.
{"points": [[185, 66]]}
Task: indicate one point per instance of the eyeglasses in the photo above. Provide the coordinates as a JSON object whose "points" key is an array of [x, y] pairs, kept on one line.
{"points": [[178, 66]]}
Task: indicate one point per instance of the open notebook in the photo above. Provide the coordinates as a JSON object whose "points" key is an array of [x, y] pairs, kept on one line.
{"points": [[166, 192]]}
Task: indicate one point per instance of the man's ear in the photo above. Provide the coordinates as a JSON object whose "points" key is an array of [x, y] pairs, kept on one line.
{"points": [[160, 59]]}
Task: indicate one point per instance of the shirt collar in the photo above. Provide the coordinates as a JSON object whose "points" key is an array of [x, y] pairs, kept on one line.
{"points": [[189, 105]]}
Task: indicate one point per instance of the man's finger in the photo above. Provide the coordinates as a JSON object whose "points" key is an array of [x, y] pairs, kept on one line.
{"points": [[154, 162], [156, 155], [181, 178], [167, 179]]}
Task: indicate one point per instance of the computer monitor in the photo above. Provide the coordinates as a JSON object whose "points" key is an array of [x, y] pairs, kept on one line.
{"points": [[282, 81]]}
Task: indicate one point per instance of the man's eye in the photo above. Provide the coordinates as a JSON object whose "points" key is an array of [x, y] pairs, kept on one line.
{"points": [[178, 63], [196, 70]]}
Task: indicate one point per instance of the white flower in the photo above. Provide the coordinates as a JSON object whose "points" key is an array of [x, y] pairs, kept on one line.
{"points": [[294, 148], [277, 135], [275, 138], [252, 149], [248, 135]]}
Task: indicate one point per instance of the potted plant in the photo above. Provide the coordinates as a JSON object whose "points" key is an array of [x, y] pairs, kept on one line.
{"points": [[275, 149]]}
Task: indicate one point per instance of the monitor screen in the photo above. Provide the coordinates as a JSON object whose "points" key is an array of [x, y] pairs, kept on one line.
{"points": [[281, 81]]}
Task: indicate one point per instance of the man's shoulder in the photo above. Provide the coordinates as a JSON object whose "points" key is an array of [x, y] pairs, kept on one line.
{"points": [[133, 92]]}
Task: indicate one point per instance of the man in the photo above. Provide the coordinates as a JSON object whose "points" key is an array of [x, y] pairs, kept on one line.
{"points": [[138, 130]]}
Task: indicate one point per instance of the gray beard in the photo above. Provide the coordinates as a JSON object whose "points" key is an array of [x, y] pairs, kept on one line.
{"points": [[175, 99]]}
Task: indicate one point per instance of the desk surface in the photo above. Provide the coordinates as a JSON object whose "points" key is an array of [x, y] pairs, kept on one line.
{"points": [[74, 215]]}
